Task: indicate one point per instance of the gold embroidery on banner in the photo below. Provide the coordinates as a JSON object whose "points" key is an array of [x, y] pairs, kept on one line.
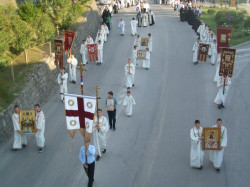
{"points": [[72, 122], [71, 102], [89, 105]]}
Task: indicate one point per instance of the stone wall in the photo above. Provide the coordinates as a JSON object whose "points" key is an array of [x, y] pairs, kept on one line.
{"points": [[42, 82]]}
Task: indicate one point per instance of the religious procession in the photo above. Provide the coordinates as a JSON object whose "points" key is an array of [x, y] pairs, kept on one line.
{"points": [[113, 96]]}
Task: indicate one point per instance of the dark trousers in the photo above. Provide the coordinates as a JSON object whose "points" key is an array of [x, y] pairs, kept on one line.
{"points": [[112, 118], [91, 171]]}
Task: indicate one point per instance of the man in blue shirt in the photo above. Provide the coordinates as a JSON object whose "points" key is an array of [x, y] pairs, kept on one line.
{"points": [[87, 158], [111, 103]]}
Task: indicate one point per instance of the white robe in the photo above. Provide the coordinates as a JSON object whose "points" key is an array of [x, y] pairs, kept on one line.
{"points": [[216, 77], [121, 25], [129, 77], [138, 42], [40, 125], [151, 18], [134, 57], [83, 52], [72, 68], [220, 97], [19, 139], [128, 103], [100, 137], [62, 81], [195, 51], [106, 33], [150, 43], [213, 48], [133, 24], [196, 153], [201, 30], [89, 40], [216, 157], [145, 20], [146, 62], [100, 53]]}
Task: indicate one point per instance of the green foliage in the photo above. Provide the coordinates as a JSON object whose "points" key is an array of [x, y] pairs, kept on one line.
{"points": [[233, 18], [247, 22], [211, 11]]}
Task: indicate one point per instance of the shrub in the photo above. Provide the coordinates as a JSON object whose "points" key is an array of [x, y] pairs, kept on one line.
{"points": [[247, 22], [211, 11]]}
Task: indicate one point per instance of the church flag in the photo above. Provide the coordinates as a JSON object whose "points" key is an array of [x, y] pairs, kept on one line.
{"points": [[227, 61], [203, 52], [92, 52], [69, 37], [223, 37], [58, 53]]}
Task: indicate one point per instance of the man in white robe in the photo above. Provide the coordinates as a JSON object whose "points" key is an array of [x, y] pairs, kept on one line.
{"points": [[40, 125], [213, 49], [134, 56], [138, 41], [150, 42], [133, 24], [223, 84], [130, 74], [195, 51], [98, 38], [128, 102], [151, 18], [89, 40], [83, 52], [216, 157], [146, 61], [201, 29], [19, 139], [196, 153], [145, 19], [100, 52], [100, 129], [106, 32], [72, 61], [121, 25], [216, 77], [62, 81]]}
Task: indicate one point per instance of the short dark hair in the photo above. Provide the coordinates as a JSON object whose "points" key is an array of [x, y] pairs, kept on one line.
{"points": [[63, 68], [37, 105], [16, 106], [149, 34], [110, 93], [83, 41], [128, 91], [135, 46], [219, 119], [197, 121], [99, 110]]}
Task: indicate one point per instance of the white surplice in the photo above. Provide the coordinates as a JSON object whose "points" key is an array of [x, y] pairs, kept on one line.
{"points": [[128, 103], [129, 73], [201, 30], [72, 68], [213, 48], [221, 97], [138, 42], [216, 77], [150, 43], [99, 137], [83, 52], [19, 139], [134, 57], [146, 62], [133, 24], [145, 20], [216, 157], [195, 51], [196, 153], [100, 53], [121, 25], [62, 81], [89, 40], [40, 125]]}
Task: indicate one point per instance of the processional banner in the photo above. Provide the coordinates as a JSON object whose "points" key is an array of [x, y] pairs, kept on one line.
{"points": [[141, 54], [92, 52], [223, 37], [28, 121], [212, 136], [69, 37], [203, 52], [58, 53], [227, 62]]}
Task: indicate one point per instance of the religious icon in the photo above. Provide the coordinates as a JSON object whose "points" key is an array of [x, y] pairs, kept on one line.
{"points": [[227, 62], [58, 49], [110, 105], [141, 54], [211, 139], [203, 52], [144, 41], [27, 122], [223, 38]]}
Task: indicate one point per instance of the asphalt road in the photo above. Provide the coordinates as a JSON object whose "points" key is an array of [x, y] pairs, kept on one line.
{"points": [[152, 147]]}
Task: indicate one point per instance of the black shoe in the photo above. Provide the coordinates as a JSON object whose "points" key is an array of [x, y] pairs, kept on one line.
{"points": [[24, 145], [14, 149], [212, 64], [98, 158], [41, 150], [222, 106], [110, 127], [127, 88], [209, 56], [200, 167], [104, 151], [87, 62], [217, 170], [219, 106], [74, 82], [133, 85], [114, 128]]}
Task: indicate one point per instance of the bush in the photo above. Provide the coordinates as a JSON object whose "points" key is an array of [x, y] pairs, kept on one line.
{"points": [[247, 22], [211, 11], [231, 17]]}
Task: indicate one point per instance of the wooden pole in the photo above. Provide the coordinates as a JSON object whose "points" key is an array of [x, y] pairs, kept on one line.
{"points": [[97, 106], [81, 69], [12, 71], [26, 56]]}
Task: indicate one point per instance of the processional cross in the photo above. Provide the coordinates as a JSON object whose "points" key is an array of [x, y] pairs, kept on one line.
{"points": [[57, 30], [81, 69]]}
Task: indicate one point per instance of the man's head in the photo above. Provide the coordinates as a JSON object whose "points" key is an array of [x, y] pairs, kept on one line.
{"points": [[197, 124], [100, 42], [110, 94], [16, 109], [149, 34], [89, 35], [138, 36], [83, 41], [135, 47], [99, 112], [219, 122], [62, 70], [129, 61], [37, 108], [198, 39], [147, 49], [133, 18], [121, 19], [128, 93]]}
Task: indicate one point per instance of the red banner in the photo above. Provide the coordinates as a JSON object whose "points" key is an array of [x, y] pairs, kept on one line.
{"points": [[68, 40], [223, 37], [227, 62], [92, 52], [58, 53]]}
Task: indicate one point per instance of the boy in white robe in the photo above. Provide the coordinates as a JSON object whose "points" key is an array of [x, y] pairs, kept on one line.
{"points": [[129, 73], [128, 103], [216, 157], [195, 51], [100, 129], [121, 25], [138, 41], [40, 125], [62, 81], [99, 38], [100, 52], [134, 56], [72, 61], [106, 32], [196, 153], [89, 40], [146, 62], [201, 29], [83, 52], [223, 84], [213, 48], [133, 24], [19, 139], [150, 42], [216, 77]]}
